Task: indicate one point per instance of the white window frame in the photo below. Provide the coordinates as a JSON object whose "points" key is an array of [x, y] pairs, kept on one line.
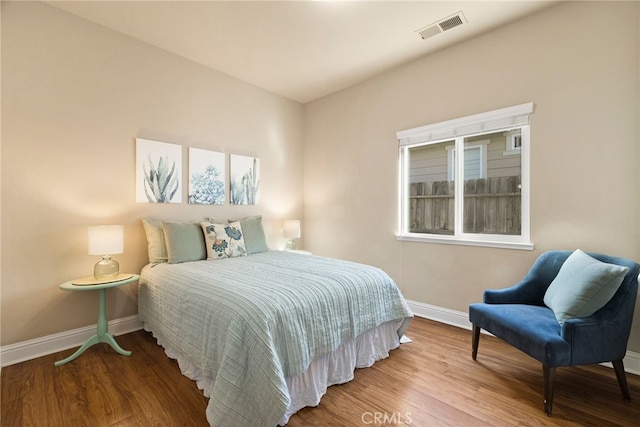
{"points": [[479, 145], [506, 119]]}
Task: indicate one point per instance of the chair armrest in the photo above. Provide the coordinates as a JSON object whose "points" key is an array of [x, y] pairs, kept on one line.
{"points": [[596, 339], [603, 336], [529, 291]]}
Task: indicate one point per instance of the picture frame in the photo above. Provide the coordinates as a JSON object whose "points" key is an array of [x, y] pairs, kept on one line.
{"points": [[158, 172], [244, 180], [207, 177]]}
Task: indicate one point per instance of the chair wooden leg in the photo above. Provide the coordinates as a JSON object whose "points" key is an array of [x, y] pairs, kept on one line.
{"points": [[618, 366], [475, 339], [548, 379]]}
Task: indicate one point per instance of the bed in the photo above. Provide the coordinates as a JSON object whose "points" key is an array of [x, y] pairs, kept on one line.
{"points": [[265, 334]]}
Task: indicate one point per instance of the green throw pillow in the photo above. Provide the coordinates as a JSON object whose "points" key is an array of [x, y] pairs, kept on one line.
{"points": [[185, 241], [254, 237], [583, 286]]}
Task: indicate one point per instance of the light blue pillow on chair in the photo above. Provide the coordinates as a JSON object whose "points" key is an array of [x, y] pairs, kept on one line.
{"points": [[583, 286]]}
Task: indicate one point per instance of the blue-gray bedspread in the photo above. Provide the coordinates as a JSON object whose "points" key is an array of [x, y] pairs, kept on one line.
{"points": [[249, 322]]}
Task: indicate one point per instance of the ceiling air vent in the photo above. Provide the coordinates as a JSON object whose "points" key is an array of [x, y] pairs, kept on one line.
{"points": [[442, 25]]}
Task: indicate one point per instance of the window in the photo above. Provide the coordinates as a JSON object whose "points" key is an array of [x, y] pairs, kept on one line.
{"points": [[465, 181], [475, 160]]}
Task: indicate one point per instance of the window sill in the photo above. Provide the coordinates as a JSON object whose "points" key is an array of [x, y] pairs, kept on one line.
{"points": [[465, 242]]}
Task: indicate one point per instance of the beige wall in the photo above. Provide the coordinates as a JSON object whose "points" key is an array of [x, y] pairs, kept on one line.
{"points": [[75, 97], [578, 62]]}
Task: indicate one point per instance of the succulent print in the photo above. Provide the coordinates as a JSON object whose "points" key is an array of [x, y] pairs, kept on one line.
{"points": [[251, 184], [236, 194], [207, 188], [244, 191], [160, 183]]}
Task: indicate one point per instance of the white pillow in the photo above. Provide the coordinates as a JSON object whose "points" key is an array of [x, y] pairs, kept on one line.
{"points": [[157, 248]]}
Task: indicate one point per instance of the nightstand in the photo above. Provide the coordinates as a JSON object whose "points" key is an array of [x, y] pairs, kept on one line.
{"points": [[102, 334]]}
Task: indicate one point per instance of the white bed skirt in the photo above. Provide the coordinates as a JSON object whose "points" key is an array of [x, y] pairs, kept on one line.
{"points": [[307, 388]]}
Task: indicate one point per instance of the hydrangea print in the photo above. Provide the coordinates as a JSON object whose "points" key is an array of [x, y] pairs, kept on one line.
{"points": [[207, 188]]}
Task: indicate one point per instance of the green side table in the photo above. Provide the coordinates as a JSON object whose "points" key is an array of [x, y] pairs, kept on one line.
{"points": [[102, 334]]}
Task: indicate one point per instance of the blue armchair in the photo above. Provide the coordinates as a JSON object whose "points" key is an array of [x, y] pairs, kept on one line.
{"points": [[518, 315]]}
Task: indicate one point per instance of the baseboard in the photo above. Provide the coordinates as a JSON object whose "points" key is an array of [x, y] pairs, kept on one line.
{"points": [[440, 314], [27, 350], [461, 320]]}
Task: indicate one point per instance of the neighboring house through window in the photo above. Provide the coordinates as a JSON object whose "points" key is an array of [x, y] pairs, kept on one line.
{"points": [[466, 181], [475, 160]]}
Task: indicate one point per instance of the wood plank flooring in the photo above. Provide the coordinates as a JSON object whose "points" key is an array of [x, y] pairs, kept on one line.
{"points": [[431, 381]]}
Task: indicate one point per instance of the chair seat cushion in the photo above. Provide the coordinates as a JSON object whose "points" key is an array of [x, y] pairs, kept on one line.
{"points": [[530, 328]]}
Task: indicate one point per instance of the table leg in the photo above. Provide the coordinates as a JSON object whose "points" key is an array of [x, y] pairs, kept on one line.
{"points": [[102, 333]]}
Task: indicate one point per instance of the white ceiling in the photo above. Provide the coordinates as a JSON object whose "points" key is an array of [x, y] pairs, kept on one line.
{"points": [[302, 50]]}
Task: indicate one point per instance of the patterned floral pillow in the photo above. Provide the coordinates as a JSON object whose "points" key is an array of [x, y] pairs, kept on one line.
{"points": [[223, 240]]}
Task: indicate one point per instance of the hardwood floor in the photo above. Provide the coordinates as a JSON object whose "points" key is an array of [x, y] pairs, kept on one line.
{"points": [[431, 381]]}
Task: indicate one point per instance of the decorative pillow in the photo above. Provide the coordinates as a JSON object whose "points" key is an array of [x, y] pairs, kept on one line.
{"points": [[157, 248], [583, 286], [223, 240], [184, 240], [217, 220], [254, 237]]}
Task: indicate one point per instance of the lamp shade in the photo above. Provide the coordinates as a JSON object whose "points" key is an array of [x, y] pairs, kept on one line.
{"points": [[292, 229], [106, 239]]}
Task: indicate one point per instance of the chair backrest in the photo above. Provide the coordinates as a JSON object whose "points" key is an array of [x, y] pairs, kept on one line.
{"points": [[623, 301], [542, 273], [547, 266]]}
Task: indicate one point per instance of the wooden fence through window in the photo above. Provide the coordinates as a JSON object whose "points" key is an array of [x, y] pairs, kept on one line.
{"points": [[491, 206]]}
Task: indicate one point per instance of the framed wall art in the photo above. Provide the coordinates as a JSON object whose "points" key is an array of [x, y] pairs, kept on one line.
{"points": [[158, 172], [207, 174], [244, 185]]}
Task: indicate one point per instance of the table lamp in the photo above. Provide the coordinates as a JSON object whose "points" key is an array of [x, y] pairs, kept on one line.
{"points": [[106, 240], [291, 231]]}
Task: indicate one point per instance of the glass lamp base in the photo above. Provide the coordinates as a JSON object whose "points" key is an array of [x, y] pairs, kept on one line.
{"points": [[106, 268], [291, 245]]}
